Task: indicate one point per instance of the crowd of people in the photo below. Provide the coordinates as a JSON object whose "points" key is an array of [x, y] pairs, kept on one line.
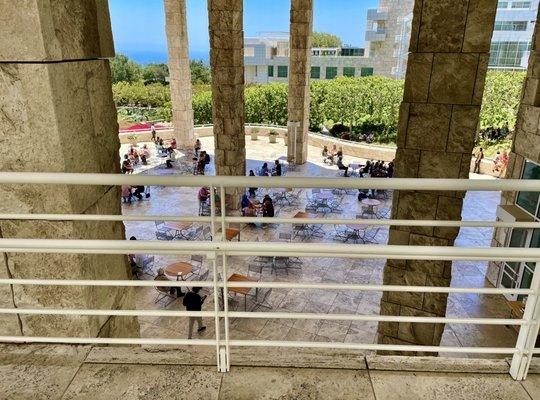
{"points": [[375, 169], [493, 134]]}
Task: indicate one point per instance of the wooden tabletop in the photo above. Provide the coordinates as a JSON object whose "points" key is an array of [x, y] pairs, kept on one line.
{"points": [[371, 202], [515, 307], [177, 226], [178, 269], [240, 278], [302, 214], [231, 233]]}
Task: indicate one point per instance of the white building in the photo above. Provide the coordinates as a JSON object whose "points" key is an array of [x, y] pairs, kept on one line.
{"points": [[266, 59]]}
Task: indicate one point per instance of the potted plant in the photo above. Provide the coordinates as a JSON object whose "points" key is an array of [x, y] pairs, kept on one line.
{"points": [[254, 133], [272, 136]]}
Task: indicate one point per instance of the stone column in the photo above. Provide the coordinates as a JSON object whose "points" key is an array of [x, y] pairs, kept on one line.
{"points": [[526, 141], [444, 84], [179, 72], [57, 115], [299, 74], [227, 63]]}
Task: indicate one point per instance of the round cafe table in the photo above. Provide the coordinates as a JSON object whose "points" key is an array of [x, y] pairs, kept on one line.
{"points": [[370, 203], [179, 270], [325, 195]]}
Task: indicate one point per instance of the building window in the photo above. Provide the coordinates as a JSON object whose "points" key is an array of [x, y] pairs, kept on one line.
{"points": [[521, 4], [366, 71], [270, 70], [331, 72], [282, 71], [510, 26], [348, 71], [315, 72], [352, 52], [502, 4], [528, 201], [508, 54]]}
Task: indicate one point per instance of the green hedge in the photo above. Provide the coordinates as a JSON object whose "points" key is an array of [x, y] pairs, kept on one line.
{"points": [[368, 104]]}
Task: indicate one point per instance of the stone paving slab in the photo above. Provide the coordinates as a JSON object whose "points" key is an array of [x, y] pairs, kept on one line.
{"points": [[390, 385]]}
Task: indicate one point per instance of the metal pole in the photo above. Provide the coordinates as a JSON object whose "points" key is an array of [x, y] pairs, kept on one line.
{"points": [[528, 332]]}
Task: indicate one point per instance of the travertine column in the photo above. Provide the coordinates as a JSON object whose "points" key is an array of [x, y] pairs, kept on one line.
{"points": [[179, 72], [299, 74], [444, 84], [57, 115], [227, 62], [526, 140]]}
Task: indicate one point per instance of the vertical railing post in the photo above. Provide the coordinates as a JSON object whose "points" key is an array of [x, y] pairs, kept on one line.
{"points": [[527, 333], [225, 357], [212, 256]]}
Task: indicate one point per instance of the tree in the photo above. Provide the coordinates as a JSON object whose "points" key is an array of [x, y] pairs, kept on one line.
{"points": [[322, 39], [200, 72], [124, 70], [155, 73]]}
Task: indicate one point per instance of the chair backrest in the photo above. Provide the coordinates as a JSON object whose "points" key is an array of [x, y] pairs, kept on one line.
{"points": [[159, 223], [204, 275], [197, 258]]}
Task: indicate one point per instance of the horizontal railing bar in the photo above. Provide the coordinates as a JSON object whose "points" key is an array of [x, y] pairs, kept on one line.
{"points": [[323, 221], [422, 184], [260, 343], [104, 217], [275, 248], [255, 315], [277, 285], [387, 347]]}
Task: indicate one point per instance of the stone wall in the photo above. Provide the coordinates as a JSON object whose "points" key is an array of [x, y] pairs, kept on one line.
{"points": [[179, 72], [299, 74], [444, 84], [58, 115]]}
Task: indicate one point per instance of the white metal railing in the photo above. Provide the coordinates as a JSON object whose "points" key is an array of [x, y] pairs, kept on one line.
{"points": [[521, 353]]}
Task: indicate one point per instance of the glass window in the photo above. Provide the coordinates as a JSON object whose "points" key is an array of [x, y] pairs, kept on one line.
{"points": [[315, 72], [507, 54], [366, 71], [521, 4], [529, 200], [331, 72], [348, 71], [282, 71], [271, 70], [502, 4], [510, 26]]}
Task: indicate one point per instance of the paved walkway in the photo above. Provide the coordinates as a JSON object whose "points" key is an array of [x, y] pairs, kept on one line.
{"points": [[182, 201]]}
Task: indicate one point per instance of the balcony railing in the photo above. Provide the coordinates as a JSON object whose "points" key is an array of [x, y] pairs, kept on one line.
{"points": [[221, 249]]}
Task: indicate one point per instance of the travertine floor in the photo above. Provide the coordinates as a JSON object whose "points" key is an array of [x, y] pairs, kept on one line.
{"points": [[182, 201], [54, 372]]}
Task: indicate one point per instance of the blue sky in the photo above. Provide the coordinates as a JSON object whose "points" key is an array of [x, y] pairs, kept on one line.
{"points": [[139, 31]]}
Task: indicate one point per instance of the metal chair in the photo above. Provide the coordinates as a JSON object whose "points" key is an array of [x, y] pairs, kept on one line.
{"points": [[197, 263], [207, 233], [370, 234]]}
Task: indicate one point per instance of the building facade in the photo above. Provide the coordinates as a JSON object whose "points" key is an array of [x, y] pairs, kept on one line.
{"points": [[266, 60]]}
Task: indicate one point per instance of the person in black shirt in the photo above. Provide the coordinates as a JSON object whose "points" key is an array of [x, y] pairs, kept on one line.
{"points": [[277, 168], [193, 302], [268, 207]]}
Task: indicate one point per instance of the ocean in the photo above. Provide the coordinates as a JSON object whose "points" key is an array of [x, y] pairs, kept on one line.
{"points": [[160, 56]]}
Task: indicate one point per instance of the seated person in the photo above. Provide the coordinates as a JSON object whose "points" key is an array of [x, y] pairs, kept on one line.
{"points": [[277, 168], [264, 170], [268, 206], [126, 193], [162, 277], [139, 190], [340, 152], [252, 190], [127, 168], [341, 166], [145, 155], [203, 195], [173, 144], [248, 209], [390, 169], [325, 153], [171, 159]]}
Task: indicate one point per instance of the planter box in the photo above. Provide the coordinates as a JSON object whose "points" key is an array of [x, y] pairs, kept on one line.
{"points": [[272, 138]]}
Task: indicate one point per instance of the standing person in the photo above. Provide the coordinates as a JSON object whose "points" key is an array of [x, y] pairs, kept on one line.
{"points": [[145, 155], [197, 147], [479, 157], [390, 169], [193, 302], [505, 158], [277, 168], [153, 130]]}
